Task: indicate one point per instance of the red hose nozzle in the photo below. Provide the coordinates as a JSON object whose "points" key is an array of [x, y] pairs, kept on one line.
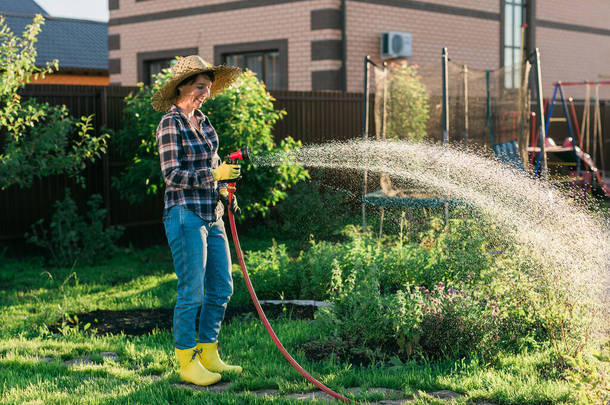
{"points": [[241, 154]]}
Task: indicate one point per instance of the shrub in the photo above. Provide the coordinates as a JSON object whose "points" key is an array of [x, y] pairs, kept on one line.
{"points": [[391, 296], [409, 323], [360, 316], [311, 209], [457, 255], [243, 115], [71, 238], [269, 271], [449, 257], [407, 104], [37, 140], [456, 323]]}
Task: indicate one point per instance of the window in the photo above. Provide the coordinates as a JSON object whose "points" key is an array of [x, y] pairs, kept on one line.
{"points": [[268, 59], [154, 67], [514, 17], [151, 63], [264, 63]]}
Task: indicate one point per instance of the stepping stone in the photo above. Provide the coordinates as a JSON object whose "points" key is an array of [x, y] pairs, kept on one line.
{"points": [[310, 396], [388, 392], [445, 395], [81, 361], [220, 387], [269, 391], [112, 356]]}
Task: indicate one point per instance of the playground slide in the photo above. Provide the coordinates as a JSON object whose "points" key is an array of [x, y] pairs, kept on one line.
{"points": [[585, 157]]}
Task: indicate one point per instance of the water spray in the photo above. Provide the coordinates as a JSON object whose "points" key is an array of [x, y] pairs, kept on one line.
{"points": [[564, 246], [236, 158]]}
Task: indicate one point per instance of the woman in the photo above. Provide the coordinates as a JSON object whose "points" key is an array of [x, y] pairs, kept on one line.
{"points": [[188, 146]]}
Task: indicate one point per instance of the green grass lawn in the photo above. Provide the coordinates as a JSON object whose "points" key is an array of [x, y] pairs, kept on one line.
{"points": [[33, 368]]}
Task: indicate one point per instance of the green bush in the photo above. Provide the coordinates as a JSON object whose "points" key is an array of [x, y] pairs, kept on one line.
{"points": [[522, 304], [392, 297], [71, 238], [243, 115], [407, 104], [459, 255], [311, 209], [411, 323], [37, 140], [269, 272], [439, 256], [457, 323]]}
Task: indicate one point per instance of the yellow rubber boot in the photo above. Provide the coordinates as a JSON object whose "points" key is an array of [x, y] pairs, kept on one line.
{"points": [[209, 358], [191, 369]]}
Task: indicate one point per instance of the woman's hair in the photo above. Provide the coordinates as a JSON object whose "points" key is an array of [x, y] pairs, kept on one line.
{"points": [[191, 80]]}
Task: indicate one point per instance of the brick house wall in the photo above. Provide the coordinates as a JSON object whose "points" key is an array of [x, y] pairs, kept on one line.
{"points": [[285, 25], [590, 13], [574, 37], [473, 40]]}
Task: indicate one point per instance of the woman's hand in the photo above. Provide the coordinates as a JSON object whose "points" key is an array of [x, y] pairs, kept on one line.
{"points": [[226, 172], [224, 197]]}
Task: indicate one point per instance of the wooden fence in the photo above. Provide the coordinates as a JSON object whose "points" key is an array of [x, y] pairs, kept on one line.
{"points": [[312, 117]]}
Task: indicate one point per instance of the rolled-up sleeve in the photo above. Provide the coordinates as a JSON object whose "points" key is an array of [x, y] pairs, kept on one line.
{"points": [[171, 156]]}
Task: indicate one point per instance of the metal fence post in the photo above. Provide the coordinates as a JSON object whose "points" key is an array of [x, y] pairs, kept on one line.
{"points": [[365, 134], [446, 120], [103, 97], [540, 112], [445, 98]]}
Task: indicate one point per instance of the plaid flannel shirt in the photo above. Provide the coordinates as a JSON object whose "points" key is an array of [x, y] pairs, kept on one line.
{"points": [[187, 155]]}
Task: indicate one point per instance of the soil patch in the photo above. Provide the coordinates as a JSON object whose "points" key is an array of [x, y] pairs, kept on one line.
{"points": [[350, 351], [137, 322]]}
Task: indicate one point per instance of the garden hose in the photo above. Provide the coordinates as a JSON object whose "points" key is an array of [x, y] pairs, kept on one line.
{"points": [[231, 188]]}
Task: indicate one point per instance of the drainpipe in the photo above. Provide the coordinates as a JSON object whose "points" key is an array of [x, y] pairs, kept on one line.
{"points": [[344, 44]]}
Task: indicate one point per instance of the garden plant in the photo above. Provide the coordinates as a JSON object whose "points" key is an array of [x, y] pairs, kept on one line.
{"points": [[37, 139], [426, 307], [399, 330]]}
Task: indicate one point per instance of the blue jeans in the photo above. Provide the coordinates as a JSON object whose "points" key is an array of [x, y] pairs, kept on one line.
{"points": [[201, 259]]}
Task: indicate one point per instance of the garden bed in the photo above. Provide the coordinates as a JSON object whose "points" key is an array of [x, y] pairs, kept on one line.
{"points": [[139, 322]]}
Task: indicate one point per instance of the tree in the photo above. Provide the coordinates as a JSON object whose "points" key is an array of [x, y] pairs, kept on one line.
{"points": [[37, 140], [243, 115], [407, 104]]}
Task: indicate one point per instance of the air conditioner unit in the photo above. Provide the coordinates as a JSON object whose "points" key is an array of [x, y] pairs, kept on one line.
{"points": [[395, 44]]}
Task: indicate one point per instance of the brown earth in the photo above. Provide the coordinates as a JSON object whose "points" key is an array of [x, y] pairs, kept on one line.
{"points": [[137, 322]]}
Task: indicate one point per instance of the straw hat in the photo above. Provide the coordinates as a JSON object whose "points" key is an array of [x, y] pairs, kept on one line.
{"points": [[189, 66]]}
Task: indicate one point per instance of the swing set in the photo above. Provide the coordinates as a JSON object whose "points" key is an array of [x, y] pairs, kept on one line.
{"points": [[582, 170]]}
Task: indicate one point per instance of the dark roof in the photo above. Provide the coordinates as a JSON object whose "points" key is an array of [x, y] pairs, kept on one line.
{"points": [[77, 44]]}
